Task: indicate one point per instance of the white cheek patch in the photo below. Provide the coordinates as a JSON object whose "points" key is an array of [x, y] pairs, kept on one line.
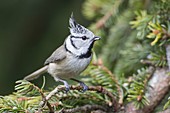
{"points": [[78, 43], [82, 46]]}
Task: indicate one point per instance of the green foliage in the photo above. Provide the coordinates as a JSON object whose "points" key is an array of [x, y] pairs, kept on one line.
{"points": [[25, 87], [101, 76], [158, 58], [76, 98], [136, 92], [105, 16], [93, 7], [114, 30], [134, 35], [11, 105], [157, 32], [152, 26], [167, 104], [114, 41], [140, 23], [124, 50], [133, 54], [162, 7], [16, 103], [26, 99]]}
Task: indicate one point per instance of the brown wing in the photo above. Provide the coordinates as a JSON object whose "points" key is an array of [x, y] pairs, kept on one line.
{"points": [[57, 55]]}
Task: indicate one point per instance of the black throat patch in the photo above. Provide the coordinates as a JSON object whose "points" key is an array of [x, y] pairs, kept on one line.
{"points": [[84, 55], [88, 53]]}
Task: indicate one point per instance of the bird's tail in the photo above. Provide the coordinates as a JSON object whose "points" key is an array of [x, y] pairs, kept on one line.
{"points": [[37, 73]]}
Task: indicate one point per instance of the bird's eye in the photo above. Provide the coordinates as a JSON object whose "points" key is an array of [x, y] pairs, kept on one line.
{"points": [[84, 38]]}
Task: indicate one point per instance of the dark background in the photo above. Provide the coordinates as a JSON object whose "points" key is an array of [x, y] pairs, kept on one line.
{"points": [[30, 30]]}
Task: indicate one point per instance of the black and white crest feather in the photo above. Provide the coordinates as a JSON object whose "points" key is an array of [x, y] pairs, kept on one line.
{"points": [[75, 27]]}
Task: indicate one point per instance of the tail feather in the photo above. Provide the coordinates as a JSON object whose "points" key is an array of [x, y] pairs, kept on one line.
{"points": [[37, 73]]}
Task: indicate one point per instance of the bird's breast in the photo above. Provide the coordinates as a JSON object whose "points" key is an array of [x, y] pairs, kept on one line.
{"points": [[69, 67]]}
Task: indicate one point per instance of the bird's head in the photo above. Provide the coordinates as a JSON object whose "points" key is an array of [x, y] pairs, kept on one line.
{"points": [[81, 40]]}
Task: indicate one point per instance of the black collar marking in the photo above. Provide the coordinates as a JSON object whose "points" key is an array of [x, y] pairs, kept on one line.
{"points": [[88, 53], [85, 55], [67, 49]]}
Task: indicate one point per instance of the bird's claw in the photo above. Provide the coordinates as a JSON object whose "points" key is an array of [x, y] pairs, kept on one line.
{"points": [[85, 87]]}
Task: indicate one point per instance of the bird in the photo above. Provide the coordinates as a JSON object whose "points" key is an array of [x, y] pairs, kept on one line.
{"points": [[71, 58]]}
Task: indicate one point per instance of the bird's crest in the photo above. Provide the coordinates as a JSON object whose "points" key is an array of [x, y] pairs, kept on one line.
{"points": [[76, 28]]}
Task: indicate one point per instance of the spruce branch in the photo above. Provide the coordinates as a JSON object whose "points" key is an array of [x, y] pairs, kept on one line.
{"points": [[137, 90], [82, 109], [157, 58], [99, 75], [99, 63], [25, 86], [99, 89], [160, 87]]}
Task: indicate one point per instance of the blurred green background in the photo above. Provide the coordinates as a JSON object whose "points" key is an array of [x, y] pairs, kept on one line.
{"points": [[30, 30]]}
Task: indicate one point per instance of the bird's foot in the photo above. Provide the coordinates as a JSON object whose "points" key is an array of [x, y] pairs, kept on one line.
{"points": [[85, 87], [66, 86]]}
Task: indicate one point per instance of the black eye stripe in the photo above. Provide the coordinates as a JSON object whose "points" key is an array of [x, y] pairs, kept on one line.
{"points": [[79, 37]]}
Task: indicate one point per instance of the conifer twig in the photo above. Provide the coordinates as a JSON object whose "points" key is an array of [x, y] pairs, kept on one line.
{"points": [[44, 99], [160, 87], [99, 89], [116, 81], [104, 68], [102, 90], [83, 109]]}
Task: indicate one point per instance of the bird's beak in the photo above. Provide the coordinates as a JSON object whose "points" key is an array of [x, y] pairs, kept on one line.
{"points": [[96, 38]]}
